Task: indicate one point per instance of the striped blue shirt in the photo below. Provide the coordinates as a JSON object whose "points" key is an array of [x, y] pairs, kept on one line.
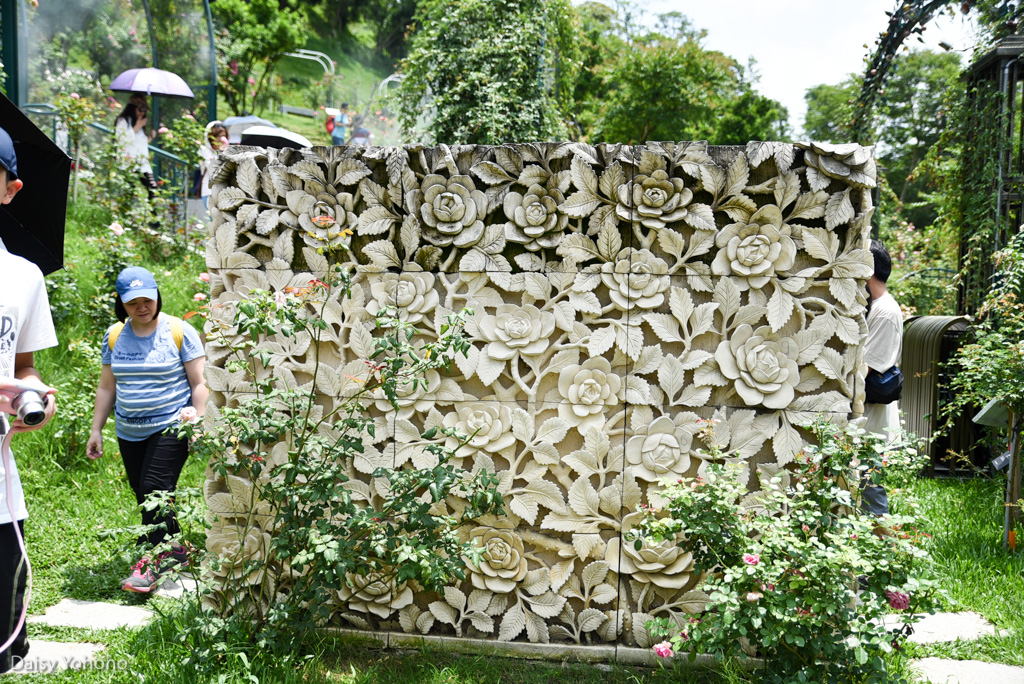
{"points": [[152, 386]]}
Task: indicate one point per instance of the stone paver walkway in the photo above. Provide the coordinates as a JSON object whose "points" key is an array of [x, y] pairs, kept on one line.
{"points": [[942, 671], [944, 627]]}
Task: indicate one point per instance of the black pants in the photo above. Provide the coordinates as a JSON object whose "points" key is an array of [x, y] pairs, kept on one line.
{"points": [[153, 465], [149, 182], [13, 574]]}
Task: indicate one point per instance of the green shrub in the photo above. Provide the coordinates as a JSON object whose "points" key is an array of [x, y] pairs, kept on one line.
{"points": [[781, 565]]}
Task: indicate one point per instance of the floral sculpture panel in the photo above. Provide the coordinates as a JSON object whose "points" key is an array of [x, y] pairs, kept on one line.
{"points": [[623, 296]]}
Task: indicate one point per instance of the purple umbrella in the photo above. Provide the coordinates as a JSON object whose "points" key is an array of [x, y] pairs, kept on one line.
{"points": [[152, 82]]}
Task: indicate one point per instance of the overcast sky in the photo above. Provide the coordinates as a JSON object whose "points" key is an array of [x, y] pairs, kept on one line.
{"points": [[802, 43]]}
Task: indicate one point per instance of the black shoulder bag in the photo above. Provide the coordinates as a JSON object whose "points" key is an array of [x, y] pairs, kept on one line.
{"points": [[883, 388]]}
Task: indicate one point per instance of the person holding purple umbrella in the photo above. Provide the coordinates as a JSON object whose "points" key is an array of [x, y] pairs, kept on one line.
{"points": [[132, 139]]}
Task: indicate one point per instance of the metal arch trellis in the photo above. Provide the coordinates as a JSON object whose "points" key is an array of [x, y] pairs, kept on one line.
{"points": [[906, 20]]}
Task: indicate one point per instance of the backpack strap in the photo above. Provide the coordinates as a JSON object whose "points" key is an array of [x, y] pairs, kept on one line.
{"points": [[113, 333], [177, 334]]}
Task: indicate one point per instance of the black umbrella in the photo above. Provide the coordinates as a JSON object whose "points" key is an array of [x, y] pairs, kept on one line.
{"points": [[32, 225]]}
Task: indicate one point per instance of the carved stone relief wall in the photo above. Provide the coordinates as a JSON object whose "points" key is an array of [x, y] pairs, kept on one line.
{"points": [[623, 296]]}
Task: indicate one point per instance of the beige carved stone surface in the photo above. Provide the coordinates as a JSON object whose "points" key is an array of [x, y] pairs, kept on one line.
{"points": [[622, 295]]}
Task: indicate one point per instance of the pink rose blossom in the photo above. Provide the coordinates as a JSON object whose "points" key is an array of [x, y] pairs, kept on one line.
{"points": [[75, 96], [163, 129], [189, 415], [199, 296], [280, 298], [205, 277], [663, 650], [751, 558], [116, 228], [897, 600], [252, 81]]}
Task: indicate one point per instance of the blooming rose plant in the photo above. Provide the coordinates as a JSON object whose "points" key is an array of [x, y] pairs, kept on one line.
{"points": [[781, 565]]}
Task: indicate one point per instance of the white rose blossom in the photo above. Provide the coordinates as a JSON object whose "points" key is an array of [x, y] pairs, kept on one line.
{"points": [[503, 564], [411, 293], [487, 424]]}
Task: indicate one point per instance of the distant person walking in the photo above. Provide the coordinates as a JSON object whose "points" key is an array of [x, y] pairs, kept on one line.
{"points": [[216, 142], [361, 135], [152, 379], [132, 139], [342, 124]]}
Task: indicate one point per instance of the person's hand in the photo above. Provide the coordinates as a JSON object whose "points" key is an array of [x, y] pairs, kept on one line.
{"points": [[94, 447], [11, 388]]}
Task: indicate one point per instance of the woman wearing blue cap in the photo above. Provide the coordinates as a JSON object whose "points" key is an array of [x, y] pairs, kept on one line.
{"points": [[152, 379]]}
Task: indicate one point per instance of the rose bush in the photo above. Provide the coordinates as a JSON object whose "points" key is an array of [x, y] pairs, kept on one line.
{"points": [[762, 366], [781, 580]]}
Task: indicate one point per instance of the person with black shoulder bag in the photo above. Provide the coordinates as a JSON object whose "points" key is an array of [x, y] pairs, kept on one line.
{"points": [[883, 384]]}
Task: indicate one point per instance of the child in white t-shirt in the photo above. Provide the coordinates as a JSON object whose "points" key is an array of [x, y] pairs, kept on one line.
{"points": [[25, 327]]}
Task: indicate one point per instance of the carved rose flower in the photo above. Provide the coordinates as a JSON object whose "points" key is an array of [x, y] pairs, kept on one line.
{"points": [[848, 162], [638, 278], [654, 200], [487, 424], [452, 210], [413, 397], [411, 292], [513, 330], [326, 218], [589, 389], [503, 563], [533, 219], [237, 546], [755, 250], [761, 364], [660, 449], [665, 565], [373, 593]]}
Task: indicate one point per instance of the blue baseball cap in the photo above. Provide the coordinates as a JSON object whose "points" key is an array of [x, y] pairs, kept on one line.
{"points": [[134, 282], [8, 159]]}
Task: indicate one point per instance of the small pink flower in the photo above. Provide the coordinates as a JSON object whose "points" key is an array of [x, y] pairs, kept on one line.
{"points": [[754, 596], [199, 296], [75, 96], [853, 537], [163, 129], [806, 529], [205, 277], [234, 67], [189, 116], [116, 228], [897, 600], [663, 650], [189, 415], [252, 81], [280, 298], [751, 558]]}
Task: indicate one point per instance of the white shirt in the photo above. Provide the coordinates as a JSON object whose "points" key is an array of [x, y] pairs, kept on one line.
{"points": [[881, 352], [208, 154], [25, 326], [133, 143]]}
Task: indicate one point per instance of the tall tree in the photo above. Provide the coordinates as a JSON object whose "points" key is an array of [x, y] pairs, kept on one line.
{"points": [[489, 71], [252, 36]]}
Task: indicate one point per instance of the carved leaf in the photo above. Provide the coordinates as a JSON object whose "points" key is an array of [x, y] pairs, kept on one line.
{"points": [[611, 179], [609, 242], [737, 176], [491, 173], [830, 363], [410, 234], [594, 574], [522, 425], [780, 309], [821, 244], [700, 216], [444, 613], [839, 209], [513, 623], [591, 619], [671, 375], [601, 340], [383, 254], [580, 204]]}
